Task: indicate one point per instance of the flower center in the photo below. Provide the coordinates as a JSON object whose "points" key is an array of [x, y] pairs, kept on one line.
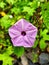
{"points": [[23, 33]]}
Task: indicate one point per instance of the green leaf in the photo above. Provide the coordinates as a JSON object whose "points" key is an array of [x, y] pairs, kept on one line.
{"points": [[35, 44], [43, 33], [6, 21], [15, 10], [11, 1], [42, 44], [5, 57], [44, 36], [9, 50], [19, 51], [45, 13], [29, 10], [2, 4]]}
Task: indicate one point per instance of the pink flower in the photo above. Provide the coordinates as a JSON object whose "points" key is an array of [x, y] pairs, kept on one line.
{"points": [[23, 33]]}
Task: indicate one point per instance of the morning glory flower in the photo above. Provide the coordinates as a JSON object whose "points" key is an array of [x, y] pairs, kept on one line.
{"points": [[23, 33]]}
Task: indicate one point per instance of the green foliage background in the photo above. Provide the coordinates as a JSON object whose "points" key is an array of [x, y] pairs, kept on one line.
{"points": [[35, 11]]}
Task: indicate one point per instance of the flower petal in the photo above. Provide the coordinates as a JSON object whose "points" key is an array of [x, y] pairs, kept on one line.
{"points": [[13, 32], [21, 41], [17, 41], [31, 39], [20, 25], [32, 33], [27, 42], [27, 25]]}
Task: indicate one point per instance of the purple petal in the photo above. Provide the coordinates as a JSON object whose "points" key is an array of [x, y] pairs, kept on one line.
{"points": [[27, 42], [20, 25], [31, 39], [13, 32], [27, 26], [32, 33], [17, 41], [21, 41]]}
